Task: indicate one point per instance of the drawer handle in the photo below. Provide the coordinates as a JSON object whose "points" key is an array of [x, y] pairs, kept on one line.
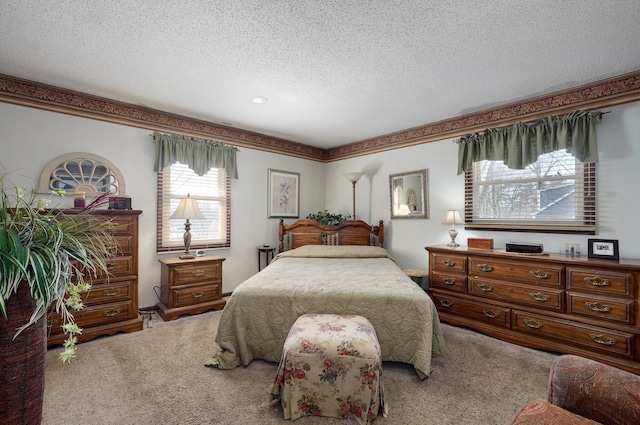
{"points": [[539, 297], [485, 267], [445, 303], [539, 274], [485, 288], [532, 324], [198, 294], [449, 263], [601, 339], [448, 281], [112, 313], [596, 306], [52, 322], [197, 273], [111, 292], [490, 314], [597, 281], [111, 266]]}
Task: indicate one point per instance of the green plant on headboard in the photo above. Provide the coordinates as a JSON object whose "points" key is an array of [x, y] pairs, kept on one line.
{"points": [[328, 219]]}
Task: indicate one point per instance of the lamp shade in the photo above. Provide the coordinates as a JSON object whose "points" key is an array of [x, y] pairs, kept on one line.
{"points": [[453, 218], [187, 210], [353, 177], [404, 210]]}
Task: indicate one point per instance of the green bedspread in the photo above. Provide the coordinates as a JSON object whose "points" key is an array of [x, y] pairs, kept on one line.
{"points": [[359, 280]]}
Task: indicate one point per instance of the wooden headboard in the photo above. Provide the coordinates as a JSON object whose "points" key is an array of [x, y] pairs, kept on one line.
{"points": [[310, 232]]}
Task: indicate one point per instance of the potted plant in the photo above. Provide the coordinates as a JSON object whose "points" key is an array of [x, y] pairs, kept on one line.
{"points": [[328, 219], [47, 258]]}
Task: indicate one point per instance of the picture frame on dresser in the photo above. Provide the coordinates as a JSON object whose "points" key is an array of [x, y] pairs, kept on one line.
{"points": [[606, 249]]}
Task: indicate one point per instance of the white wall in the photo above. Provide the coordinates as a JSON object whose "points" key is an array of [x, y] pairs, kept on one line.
{"points": [[30, 138], [618, 193]]}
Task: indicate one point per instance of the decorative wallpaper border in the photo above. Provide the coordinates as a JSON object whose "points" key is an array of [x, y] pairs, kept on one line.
{"points": [[604, 93]]}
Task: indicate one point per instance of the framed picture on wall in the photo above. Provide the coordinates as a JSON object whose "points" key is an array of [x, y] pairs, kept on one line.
{"points": [[284, 194], [603, 248]]}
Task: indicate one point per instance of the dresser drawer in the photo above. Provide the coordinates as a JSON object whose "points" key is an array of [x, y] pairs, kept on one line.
{"points": [[498, 316], [606, 282], [197, 294], [540, 297], [125, 244], [108, 292], [595, 338], [194, 273], [449, 282], [124, 225], [119, 266], [450, 263], [94, 315], [540, 273], [613, 309]]}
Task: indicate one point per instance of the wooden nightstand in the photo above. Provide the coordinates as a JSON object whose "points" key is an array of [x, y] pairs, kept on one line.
{"points": [[190, 286]]}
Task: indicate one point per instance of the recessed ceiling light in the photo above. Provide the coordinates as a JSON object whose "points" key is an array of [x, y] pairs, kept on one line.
{"points": [[259, 99]]}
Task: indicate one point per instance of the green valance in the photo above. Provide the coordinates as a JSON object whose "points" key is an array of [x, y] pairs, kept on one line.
{"points": [[198, 154], [521, 144]]}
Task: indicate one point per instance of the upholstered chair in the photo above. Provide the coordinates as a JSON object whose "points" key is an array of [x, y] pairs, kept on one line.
{"points": [[583, 391]]}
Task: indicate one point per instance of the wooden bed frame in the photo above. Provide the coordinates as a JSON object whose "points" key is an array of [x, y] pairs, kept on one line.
{"points": [[310, 232]]}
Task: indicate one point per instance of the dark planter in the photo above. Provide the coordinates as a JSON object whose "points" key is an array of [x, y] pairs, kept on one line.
{"points": [[22, 362]]}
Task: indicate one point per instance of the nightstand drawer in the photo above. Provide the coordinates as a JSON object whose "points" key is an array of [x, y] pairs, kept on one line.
{"points": [[196, 294], [195, 273]]}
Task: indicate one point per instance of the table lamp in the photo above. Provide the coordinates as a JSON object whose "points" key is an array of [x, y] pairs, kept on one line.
{"points": [[187, 210], [453, 218]]}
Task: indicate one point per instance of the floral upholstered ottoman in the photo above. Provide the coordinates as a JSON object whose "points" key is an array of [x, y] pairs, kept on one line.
{"points": [[331, 366]]}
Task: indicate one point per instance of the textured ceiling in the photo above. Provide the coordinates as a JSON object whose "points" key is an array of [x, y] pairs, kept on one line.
{"points": [[333, 71]]}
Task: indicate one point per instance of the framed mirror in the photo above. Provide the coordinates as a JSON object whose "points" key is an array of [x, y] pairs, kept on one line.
{"points": [[408, 195]]}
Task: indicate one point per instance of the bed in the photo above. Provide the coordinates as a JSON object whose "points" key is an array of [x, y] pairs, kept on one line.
{"points": [[335, 270]]}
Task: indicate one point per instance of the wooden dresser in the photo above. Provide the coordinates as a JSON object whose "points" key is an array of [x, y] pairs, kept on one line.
{"points": [[112, 303], [576, 305], [190, 286]]}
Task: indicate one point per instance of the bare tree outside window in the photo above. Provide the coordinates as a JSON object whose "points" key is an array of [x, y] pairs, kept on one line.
{"points": [[554, 192]]}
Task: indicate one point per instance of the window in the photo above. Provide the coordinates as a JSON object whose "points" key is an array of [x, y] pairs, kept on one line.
{"points": [[554, 194], [211, 191]]}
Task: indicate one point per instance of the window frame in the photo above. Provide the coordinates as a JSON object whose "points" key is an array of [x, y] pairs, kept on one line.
{"points": [[164, 212], [585, 179]]}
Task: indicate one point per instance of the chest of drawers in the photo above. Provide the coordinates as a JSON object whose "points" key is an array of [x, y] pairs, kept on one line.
{"points": [[112, 302], [575, 305], [190, 286]]}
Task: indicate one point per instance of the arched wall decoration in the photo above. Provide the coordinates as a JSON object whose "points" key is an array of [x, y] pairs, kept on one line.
{"points": [[82, 172]]}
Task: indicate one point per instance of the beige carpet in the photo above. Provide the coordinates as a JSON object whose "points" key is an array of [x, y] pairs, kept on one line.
{"points": [[158, 376]]}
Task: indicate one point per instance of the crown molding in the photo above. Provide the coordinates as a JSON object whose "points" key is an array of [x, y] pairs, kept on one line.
{"points": [[601, 94], [37, 95]]}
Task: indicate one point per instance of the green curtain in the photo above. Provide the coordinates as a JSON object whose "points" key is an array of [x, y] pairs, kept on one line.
{"points": [[521, 144], [199, 154]]}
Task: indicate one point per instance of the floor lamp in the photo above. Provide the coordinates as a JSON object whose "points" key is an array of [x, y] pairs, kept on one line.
{"points": [[187, 210], [353, 178]]}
